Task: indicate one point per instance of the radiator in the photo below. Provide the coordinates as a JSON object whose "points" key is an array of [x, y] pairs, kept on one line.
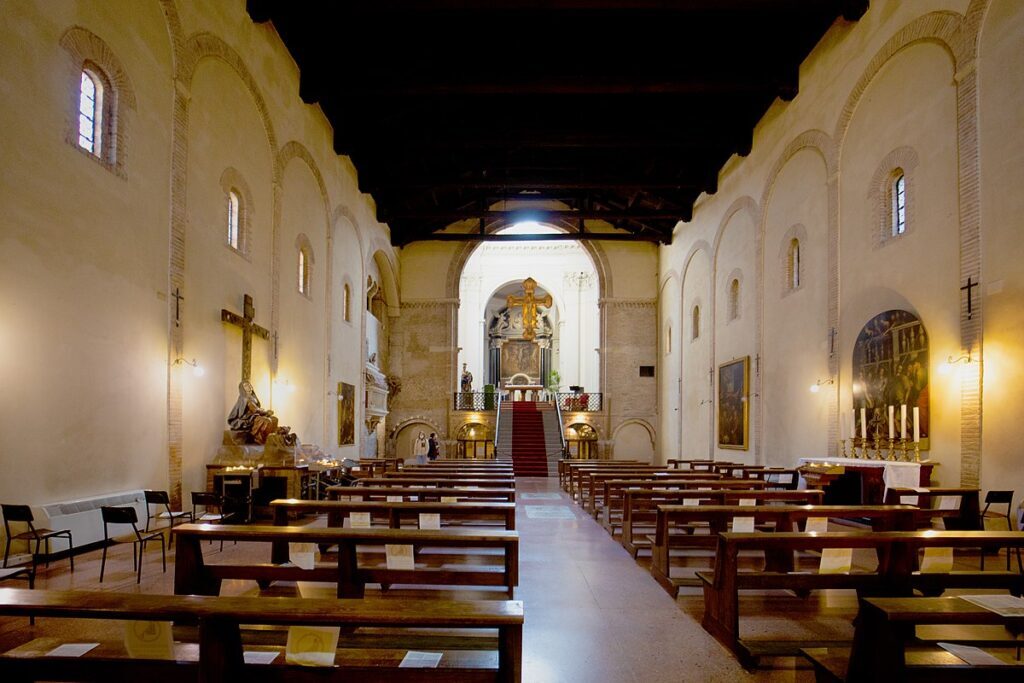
{"points": [[82, 517]]}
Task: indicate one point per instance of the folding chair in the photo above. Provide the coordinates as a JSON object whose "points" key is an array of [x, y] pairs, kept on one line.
{"points": [[126, 515], [161, 499], [23, 513]]}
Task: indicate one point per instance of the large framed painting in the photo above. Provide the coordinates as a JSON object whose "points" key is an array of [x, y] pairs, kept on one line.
{"points": [[890, 368], [346, 414], [520, 357], [733, 406]]}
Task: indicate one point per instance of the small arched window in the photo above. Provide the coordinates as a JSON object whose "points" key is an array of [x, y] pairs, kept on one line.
{"points": [[90, 112], [668, 339], [304, 271], [695, 323], [734, 299], [898, 223], [346, 303], [793, 264], [234, 220]]}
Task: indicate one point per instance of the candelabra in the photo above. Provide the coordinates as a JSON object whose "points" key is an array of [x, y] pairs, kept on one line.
{"points": [[903, 450], [917, 451], [878, 446], [892, 452]]}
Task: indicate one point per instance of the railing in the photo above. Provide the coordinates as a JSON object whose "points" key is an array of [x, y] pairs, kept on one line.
{"points": [[497, 424], [579, 403], [561, 429], [475, 400]]}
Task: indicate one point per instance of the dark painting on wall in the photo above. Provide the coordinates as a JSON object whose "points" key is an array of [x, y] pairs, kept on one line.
{"points": [[733, 414], [520, 357], [890, 368], [346, 414]]}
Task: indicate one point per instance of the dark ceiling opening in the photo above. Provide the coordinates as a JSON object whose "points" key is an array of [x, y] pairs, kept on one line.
{"points": [[616, 110]]}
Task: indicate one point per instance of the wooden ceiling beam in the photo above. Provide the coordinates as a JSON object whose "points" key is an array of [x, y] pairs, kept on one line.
{"points": [[528, 214]]}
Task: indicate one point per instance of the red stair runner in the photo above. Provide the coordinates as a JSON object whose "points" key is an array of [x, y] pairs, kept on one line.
{"points": [[529, 458]]}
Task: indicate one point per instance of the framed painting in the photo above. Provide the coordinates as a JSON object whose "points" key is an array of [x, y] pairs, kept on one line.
{"points": [[346, 414], [733, 406]]}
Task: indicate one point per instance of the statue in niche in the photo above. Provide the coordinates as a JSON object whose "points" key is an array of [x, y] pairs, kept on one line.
{"points": [[250, 423], [467, 379]]}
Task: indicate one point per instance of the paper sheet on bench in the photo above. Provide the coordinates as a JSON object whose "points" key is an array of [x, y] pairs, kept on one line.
{"points": [[937, 561], [816, 524], [748, 501], [1003, 605], [691, 501], [836, 560], [71, 649], [359, 520], [420, 660], [972, 655], [394, 499], [317, 589], [311, 645], [449, 499], [259, 657], [302, 555], [430, 520], [399, 556], [949, 503], [743, 525], [148, 639]]}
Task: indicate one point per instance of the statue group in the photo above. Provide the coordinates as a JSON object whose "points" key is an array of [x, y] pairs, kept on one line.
{"points": [[250, 423]]}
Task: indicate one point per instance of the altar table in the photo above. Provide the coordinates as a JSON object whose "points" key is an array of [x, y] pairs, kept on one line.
{"points": [[875, 477]]}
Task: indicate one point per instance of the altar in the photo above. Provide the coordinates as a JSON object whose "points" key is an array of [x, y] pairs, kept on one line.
{"points": [[524, 392], [857, 481]]}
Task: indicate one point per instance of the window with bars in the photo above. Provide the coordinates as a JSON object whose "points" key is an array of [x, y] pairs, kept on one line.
{"points": [[303, 271], [234, 221], [90, 113], [899, 204], [793, 264]]}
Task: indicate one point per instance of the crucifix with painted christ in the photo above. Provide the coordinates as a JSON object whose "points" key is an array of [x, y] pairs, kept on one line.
{"points": [[249, 328], [529, 302]]}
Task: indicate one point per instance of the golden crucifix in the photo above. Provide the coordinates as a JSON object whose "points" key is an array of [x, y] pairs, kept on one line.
{"points": [[249, 328], [529, 303]]}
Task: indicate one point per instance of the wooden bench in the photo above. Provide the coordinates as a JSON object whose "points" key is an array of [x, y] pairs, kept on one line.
{"points": [[193, 576], [588, 481], [782, 518], [219, 655], [895, 575], [886, 646], [596, 492], [430, 473], [608, 507], [965, 516], [566, 478], [420, 493], [441, 481], [640, 507], [766, 474], [336, 510]]}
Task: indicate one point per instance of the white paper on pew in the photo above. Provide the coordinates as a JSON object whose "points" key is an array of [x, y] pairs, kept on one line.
{"points": [[949, 503], [748, 501], [399, 556], [1003, 605], [394, 499], [974, 656], [449, 499], [259, 657], [317, 589], [302, 555], [430, 520], [148, 639], [359, 520], [908, 500], [817, 524], [691, 501], [743, 525], [71, 649], [836, 561], [420, 660], [937, 561], [311, 645]]}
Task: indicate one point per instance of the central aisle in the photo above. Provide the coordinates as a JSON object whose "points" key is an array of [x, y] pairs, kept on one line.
{"points": [[593, 615]]}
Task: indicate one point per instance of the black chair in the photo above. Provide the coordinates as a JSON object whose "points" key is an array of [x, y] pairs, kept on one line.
{"points": [[126, 515], [161, 499], [999, 498], [23, 513], [27, 572], [208, 508]]}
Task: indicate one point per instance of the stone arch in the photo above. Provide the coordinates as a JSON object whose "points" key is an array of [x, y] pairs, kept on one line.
{"points": [[389, 281], [630, 422]]}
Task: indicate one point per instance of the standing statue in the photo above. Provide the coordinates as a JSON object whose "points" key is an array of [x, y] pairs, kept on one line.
{"points": [[251, 422], [467, 380]]}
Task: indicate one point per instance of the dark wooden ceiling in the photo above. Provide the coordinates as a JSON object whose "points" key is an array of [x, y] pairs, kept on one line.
{"points": [[621, 110]]}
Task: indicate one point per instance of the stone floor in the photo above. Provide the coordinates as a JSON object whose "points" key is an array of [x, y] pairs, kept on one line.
{"points": [[593, 614]]}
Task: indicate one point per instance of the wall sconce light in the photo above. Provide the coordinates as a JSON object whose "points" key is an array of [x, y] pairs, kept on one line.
{"points": [[947, 367], [816, 387], [197, 369]]}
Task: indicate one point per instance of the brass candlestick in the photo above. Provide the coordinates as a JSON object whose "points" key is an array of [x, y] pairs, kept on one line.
{"points": [[853, 448], [903, 450], [917, 451], [892, 451], [878, 447], [842, 448]]}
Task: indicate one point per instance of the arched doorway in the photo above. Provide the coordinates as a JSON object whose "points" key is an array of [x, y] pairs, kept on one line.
{"points": [[475, 442], [581, 441]]}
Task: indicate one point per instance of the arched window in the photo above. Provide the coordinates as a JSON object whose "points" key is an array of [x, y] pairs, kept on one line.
{"points": [[90, 112], [734, 299], [668, 339], [695, 323], [346, 303], [305, 267], [793, 264], [234, 221], [898, 192]]}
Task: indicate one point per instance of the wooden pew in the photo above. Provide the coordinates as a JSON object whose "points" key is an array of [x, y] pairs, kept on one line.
{"points": [[606, 507], [574, 469], [566, 467], [966, 516], [790, 475], [885, 634], [895, 575], [782, 517], [192, 576], [594, 492], [220, 637], [336, 510], [585, 478], [450, 474], [640, 507], [420, 492], [439, 480]]}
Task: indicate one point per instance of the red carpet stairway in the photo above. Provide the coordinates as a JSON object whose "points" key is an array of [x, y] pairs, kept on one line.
{"points": [[529, 458]]}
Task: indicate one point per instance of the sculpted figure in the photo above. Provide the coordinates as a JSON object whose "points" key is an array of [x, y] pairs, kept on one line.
{"points": [[248, 416]]}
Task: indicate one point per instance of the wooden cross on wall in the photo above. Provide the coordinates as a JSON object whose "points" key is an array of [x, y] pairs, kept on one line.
{"points": [[529, 303], [249, 328], [970, 296]]}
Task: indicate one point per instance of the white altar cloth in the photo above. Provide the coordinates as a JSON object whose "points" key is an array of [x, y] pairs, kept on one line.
{"points": [[895, 475]]}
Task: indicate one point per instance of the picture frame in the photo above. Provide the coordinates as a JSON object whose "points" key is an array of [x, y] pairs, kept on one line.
{"points": [[733, 413], [346, 414]]}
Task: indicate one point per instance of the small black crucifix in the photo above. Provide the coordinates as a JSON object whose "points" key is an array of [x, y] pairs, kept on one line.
{"points": [[178, 298], [249, 328], [970, 296], [831, 341]]}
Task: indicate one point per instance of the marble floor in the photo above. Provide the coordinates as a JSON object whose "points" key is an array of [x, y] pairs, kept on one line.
{"points": [[593, 614]]}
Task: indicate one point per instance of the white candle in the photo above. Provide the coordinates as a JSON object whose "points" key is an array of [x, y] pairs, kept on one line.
{"points": [[917, 424], [863, 423], [903, 421], [852, 431], [892, 422]]}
